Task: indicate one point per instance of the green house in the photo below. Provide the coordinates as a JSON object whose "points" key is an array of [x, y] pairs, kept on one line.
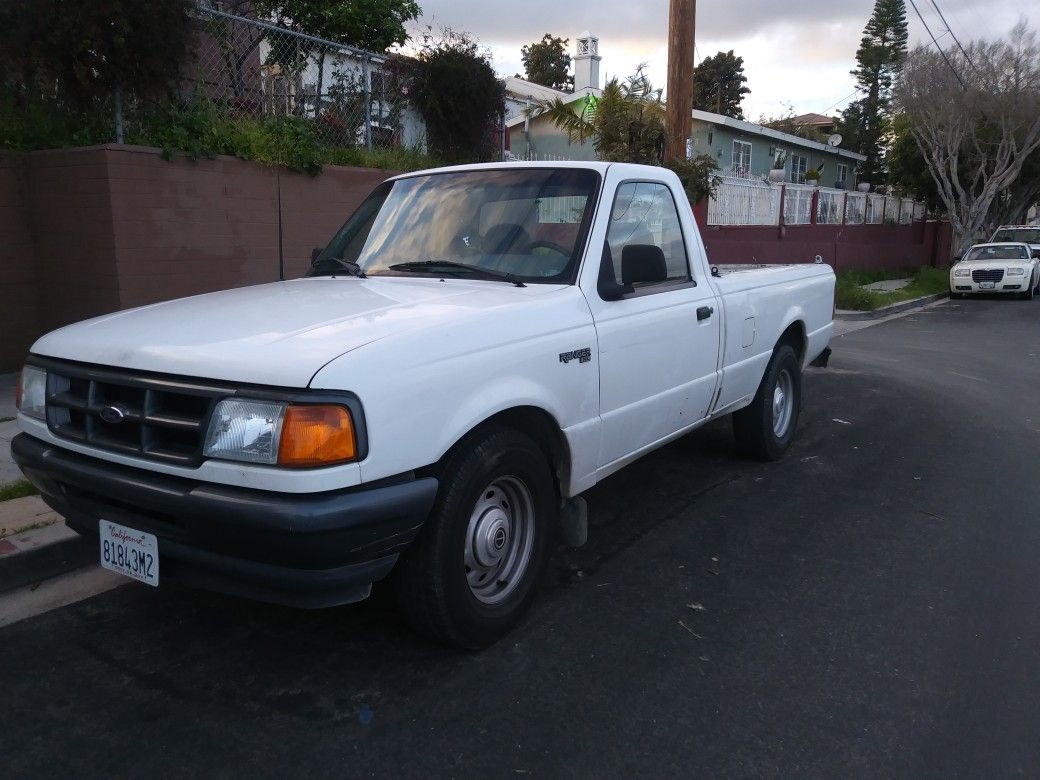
{"points": [[741, 149]]}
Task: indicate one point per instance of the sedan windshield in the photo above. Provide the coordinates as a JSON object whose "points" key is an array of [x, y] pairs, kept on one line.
{"points": [[517, 225], [1025, 235], [996, 253]]}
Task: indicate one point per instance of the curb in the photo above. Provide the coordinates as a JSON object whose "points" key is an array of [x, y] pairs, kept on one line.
{"points": [[884, 311], [42, 553]]}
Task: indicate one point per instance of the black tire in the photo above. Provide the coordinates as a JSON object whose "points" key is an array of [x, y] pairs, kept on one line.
{"points": [[432, 582], [753, 425], [1028, 294]]}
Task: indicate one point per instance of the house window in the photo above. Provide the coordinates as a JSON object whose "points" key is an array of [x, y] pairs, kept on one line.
{"points": [[843, 173], [799, 165], [742, 157]]}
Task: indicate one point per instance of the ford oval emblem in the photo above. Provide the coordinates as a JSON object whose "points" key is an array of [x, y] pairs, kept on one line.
{"points": [[112, 414]]}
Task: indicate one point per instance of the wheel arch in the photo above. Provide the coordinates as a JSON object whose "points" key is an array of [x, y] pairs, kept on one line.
{"points": [[795, 336], [533, 421]]}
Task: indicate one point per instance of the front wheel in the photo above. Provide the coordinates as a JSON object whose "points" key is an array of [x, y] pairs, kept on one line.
{"points": [[766, 427], [473, 569]]}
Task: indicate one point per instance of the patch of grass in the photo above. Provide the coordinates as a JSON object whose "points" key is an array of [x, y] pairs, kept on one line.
{"points": [[6, 419], [19, 489], [849, 292]]}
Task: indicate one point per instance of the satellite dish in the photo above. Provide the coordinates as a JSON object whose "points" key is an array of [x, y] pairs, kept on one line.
{"points": [[834, 140]]}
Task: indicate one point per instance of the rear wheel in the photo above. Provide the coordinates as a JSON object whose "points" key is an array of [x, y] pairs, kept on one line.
{"points": [[765, 429], [472, 571]]}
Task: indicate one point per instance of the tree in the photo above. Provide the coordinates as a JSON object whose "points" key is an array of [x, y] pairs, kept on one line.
{"points": [[460, 98], [627, 124], [374, 25], [547, 63], [718, 84], [864, 125], [82, 51], [975, 117]]}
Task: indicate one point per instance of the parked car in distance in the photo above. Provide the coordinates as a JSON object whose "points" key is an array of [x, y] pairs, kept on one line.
{"points": [[474, 349], [996, 268], [1026, 234]]}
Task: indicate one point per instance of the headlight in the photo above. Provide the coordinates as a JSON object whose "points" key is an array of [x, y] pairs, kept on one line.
{"points": [[1016, 272], [31, 395], [962, 272], [277, 433]]}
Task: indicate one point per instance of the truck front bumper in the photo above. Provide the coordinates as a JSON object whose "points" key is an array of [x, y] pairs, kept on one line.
{"points": [[303, 550]]}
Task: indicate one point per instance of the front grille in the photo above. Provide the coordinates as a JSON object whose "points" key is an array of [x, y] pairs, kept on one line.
{"points": [[130, 412], [987, 275]]}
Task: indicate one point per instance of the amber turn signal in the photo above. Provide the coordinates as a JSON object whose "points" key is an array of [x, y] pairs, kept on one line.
{"points": [[317, 436]]}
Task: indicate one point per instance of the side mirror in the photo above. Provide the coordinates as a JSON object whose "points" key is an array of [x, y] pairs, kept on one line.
{"points": [[315, 253]]}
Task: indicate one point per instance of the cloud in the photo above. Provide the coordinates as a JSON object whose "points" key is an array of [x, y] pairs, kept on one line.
{"points": [[796, 52]]}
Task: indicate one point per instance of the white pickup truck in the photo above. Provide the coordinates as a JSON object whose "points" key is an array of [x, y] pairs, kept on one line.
{"points": [[475, 348]]}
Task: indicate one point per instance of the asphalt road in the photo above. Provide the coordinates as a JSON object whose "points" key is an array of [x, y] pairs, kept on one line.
{"points": [[868, 607]]}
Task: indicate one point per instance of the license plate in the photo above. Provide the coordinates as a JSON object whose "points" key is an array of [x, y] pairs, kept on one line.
{"points": [[129, 552], [987, 285]]}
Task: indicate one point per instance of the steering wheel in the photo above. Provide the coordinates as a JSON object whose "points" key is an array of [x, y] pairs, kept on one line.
{"points": [[551, 245]]}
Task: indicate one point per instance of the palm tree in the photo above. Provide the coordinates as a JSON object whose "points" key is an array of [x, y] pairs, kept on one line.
{"points": [[626, 123]]}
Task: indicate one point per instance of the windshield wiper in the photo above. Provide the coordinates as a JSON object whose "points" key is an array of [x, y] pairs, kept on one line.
{"points": [[430, 266], [352, 268]]}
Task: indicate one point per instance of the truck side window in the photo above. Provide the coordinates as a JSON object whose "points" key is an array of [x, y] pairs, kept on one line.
{"points": [[644, 213]]}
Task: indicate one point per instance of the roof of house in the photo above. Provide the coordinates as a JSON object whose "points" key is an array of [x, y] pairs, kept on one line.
{"points": [[768, 132], [813, 119], [519, 88], [528, 89]]}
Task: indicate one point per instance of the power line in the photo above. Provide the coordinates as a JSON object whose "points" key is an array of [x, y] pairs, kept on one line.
{"points": [[949, 29], [943, 53]]}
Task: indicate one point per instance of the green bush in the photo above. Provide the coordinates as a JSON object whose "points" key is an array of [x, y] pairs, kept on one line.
{"points": [[200, 128]]}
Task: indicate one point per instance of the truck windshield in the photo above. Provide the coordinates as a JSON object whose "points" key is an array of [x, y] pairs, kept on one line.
{"points": [[526, 224], [997, 253]]}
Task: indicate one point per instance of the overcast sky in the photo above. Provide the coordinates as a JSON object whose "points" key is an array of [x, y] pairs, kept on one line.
{"points": [[795, 52]]}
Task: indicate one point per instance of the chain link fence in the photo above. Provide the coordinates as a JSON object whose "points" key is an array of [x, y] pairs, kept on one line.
{"points": [[255, 69]]}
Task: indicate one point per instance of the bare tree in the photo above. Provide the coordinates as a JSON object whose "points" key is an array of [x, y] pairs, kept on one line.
{"points": [[975, 116]]}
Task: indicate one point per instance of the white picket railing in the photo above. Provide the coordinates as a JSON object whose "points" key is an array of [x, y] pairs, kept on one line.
{"points": [[855, 208], [798, 204], [830, 206], [738, 201], [875, 213]]}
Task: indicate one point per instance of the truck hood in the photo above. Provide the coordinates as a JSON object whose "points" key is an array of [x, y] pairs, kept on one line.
{"points": [[277, 334]]}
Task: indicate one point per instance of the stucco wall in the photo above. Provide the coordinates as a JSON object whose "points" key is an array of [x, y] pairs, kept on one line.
{"points": [[19, 302], [89, 231]]}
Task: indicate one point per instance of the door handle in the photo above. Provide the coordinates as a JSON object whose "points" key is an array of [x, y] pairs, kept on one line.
{"points": [[704, 312]]}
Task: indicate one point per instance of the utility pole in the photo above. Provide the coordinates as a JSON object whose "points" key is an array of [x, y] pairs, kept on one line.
{"points": [[682, 22]]}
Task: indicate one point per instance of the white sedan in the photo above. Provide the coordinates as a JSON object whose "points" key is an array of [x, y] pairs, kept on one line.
{"points": [[996, 268]]}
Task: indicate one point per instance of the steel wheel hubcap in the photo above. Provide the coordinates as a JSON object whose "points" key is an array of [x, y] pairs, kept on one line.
{"points": [[499, 539], [783, 398]]}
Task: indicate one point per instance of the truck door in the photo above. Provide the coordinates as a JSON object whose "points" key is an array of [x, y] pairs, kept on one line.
{"points": [[659, 336]]}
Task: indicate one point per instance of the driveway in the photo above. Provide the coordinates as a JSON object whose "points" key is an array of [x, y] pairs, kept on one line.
{"points": [[866, 607]]}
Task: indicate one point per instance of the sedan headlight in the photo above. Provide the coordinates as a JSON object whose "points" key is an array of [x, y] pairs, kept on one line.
{"points": [[281, 434], [1016, 272], [31, 393], [962, 272]]}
